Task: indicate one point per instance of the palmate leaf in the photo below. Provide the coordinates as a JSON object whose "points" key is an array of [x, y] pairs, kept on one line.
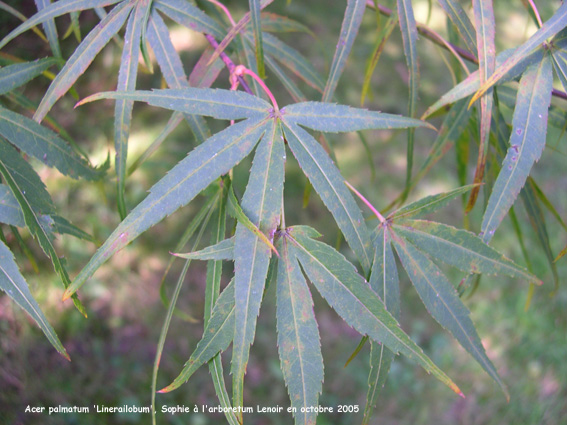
{"points": [[385, 282], [350, 296], [187, 15], [527, 141], [14, 284], [299, 345], [45, 145], [217, 336], [349, 29], [262, 202], [443, 303], [13, 76], [551, 27]]}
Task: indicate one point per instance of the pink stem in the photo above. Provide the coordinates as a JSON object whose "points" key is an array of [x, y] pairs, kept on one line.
{"points": [[534, 8], [224, 9], [241, 69], [366, 202]]}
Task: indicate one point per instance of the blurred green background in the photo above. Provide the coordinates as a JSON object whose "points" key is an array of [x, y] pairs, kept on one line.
{"points": [[113, 350]]}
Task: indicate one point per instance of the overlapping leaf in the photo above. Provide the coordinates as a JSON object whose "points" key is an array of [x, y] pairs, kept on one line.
{"points": [[13, 76]]}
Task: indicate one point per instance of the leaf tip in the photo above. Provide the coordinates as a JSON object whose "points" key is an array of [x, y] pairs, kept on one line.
{"points": [[66, 295]]}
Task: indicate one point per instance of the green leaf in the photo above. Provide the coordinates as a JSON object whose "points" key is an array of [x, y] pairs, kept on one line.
{"points": [[45, 145], [459, 18], [381, 40], [349, 29], [293, 60], [50, 29], [172, 69], [14, 284], [429, 204], [453, 127], [217, 336], [257, 30], [460, 248], [16, 173], [527, 141], [385, 282], [443, 303], [484, 23], [273, 22], [83, 56], [408, 28], [537, 220], [223, 250], [296, 94], [201, 167], [63, 226], [123, 109], [58, 8], [236, 212], [350, 296], [262, 203], [472, 83], [560, 65], [187, 15], [13, 76], [332, 118], [299, 345], [10, 211], [329, 184], [551, 27], [217, 103]]}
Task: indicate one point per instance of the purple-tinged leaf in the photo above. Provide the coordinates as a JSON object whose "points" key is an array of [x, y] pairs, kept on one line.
{"points": [[349, 29], [204, 75], [551, 27], [329, 184], [527, 141], [333, 118], [443, 303], [262, 203], [461, 249], [217, 103], [201, 167], [83, 56], [350, 296], [299, 345]]}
